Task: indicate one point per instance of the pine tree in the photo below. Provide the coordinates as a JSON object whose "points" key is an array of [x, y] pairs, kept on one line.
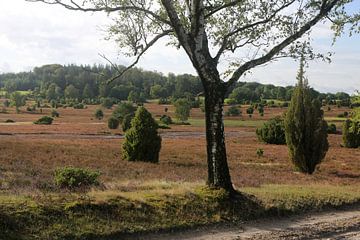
{"points": [[142, 142], [305, 127]]}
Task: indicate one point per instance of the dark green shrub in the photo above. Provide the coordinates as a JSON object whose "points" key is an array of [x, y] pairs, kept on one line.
{"points": [[351, 133], [107, 103], [9, 121], [165, 119], [78, 106], [54, 113], [71, 177], [261, 110], [113, 122], [46, 120], [163, 101], [99, 114], [250, 110], [305, 128], [123, 109], [272, 132], [126, 122], [230, 101], [142, 142], [233, 111], [260, 152], [331, 129]]}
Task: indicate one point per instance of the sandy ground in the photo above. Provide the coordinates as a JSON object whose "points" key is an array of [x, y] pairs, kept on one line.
{"points": [[334, 225]]}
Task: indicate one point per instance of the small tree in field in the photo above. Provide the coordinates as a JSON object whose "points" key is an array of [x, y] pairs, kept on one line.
{"points": [[99, 114], [305, 127], [17, 100], [182, 109], [142, 142]]}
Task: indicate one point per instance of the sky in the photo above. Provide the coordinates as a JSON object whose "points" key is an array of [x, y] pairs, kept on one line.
{"points": [[35, 34]]}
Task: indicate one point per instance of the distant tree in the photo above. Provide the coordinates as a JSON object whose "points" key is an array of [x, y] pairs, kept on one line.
{"points": [[233, 111], [272, 132], [142, 141], [71, 92], [261, 109], [107, 103], [182, 109], [351, 133], [99, 114], [136, 97], [17, 100], [113, 122], [305, 127], [87, 92], [6, 103], [123, 109], [157, 91], [250, 111]]}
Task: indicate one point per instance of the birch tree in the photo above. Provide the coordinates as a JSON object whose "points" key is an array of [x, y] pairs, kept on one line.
{"points": [[222, 39]]}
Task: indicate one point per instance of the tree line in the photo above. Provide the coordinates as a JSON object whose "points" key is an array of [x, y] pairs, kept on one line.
{"points": [[89, 84]]}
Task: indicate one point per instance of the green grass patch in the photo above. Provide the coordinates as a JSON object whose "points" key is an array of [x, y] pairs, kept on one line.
{"points": [[155, 206], [196, 122], [335, 119]]}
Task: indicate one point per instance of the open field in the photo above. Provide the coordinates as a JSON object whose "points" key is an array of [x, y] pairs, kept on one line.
{"points": [[30, 153]]}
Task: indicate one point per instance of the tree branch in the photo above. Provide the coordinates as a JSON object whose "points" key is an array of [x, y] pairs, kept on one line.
{"points": [[243, 28], [76, 7], [221, 7], [151, 43], [324, 10]]}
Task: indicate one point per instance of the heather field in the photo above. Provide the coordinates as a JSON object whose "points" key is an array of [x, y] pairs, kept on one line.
{"points": [[29, 155]]}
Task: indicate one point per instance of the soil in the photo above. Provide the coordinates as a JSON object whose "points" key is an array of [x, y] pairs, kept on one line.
{"points": [[334, 225]]}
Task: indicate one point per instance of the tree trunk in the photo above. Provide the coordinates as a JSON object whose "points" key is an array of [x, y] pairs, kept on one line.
{"points": [[218, 170]]}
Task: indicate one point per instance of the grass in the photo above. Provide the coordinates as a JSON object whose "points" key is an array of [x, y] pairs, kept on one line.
{"points": [[156, 206], [228, 123]]}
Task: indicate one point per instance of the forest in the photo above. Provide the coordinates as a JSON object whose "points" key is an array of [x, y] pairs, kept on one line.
{"points": [[89, 84]]}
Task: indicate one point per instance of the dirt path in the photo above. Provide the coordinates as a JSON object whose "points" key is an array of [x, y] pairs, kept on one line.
{"points": [[334, 225]]}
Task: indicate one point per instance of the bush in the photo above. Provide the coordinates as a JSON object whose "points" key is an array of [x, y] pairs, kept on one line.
{"points": [[142, 142], [233, 111], [99, 114], [71, 177], [9, 121], [78, 106], [165, 119], [46, 120], [260, 152], [126, 122], [123, 109], [107, 103], [182, 109], [272, 132], [54, 113], [163, 101], [250, 111], [305, 128], [331, 129], [351, 133], [113, 122], [230, 101]]}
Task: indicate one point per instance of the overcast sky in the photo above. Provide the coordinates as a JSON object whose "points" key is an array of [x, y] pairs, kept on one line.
{"points": [[34, 34]]}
